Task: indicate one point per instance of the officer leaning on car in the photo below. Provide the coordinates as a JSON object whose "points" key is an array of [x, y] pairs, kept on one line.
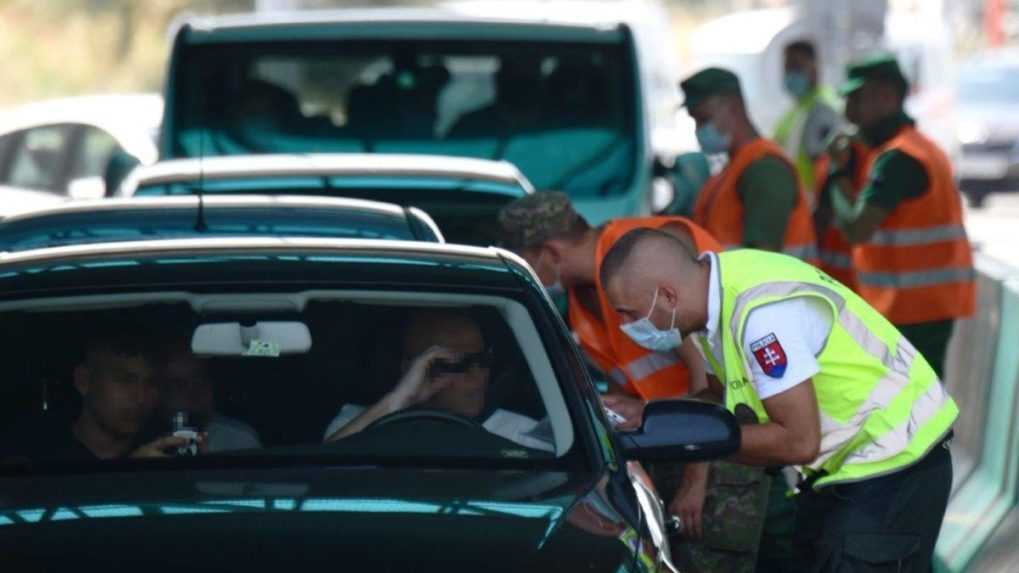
{"points": [[836, 389], [722, 508]]}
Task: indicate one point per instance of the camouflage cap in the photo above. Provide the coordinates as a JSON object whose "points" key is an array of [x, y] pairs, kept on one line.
{"points": [[534, 219]]}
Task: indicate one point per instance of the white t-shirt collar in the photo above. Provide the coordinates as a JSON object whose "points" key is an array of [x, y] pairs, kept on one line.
{"points": [[714, 297]]}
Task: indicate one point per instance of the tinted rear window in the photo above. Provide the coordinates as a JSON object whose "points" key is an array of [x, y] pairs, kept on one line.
{"points": [[563, 113]]}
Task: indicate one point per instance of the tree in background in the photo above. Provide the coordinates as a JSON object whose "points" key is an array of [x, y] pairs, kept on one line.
{"points": [[54, 48]]}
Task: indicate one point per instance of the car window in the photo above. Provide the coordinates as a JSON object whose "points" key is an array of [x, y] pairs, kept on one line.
{"points": [[39, 158], [562, 113], [94, 152], [356, 375]]}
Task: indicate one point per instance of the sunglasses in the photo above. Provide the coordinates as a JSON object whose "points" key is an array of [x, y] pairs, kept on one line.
{"points": [[481, 359]]}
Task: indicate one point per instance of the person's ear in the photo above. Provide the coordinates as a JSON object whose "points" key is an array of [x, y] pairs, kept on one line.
{"points": [[554, 248], [81, 379], [669, 294]]}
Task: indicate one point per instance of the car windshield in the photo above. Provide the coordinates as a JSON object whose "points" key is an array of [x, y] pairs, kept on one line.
{"points": [[562, 113], [348, 376], [165, 222], [989, 84]]}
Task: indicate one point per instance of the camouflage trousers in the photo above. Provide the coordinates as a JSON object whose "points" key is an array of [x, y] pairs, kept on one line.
{"points": [[735, 507]]}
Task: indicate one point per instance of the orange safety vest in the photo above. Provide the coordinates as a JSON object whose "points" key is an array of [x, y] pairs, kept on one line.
{"points": [[918, 266], [719, 208], [641, 372], [834, 251]]}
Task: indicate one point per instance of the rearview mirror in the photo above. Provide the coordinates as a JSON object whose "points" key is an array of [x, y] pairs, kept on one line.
{"points": [[682, 430], [263, 339], [86, 188]]}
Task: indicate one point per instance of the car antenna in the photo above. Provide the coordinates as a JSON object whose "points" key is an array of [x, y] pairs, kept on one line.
{"points": [[200, 225]]}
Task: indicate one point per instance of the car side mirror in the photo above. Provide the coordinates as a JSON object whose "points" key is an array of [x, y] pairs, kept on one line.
{"points": [[86, 188], [682, 431]]}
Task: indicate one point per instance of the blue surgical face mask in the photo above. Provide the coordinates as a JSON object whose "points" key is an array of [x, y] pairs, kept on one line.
{"points": [[648, 336], [712, 140], [796, 83]]}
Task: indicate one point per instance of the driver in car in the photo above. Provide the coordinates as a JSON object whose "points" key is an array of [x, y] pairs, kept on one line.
{"points": [[446, 367]]}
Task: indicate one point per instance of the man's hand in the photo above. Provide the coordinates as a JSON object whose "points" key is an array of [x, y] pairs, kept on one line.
{"points": [[167, 446], [840, 150], [415, 387], [630, 408], [688, 503]]}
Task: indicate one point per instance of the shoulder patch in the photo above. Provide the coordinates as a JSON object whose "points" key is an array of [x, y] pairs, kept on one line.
{"points": [[770, 355]]}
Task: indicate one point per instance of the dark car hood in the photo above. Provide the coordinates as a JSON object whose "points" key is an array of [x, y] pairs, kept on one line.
{"points": [[322, 519]]}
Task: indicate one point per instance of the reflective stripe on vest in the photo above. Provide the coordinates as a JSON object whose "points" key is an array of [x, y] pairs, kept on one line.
{"points": [[917, 279], [881, 405], [835, 259], [918, 265], [802, 252], [913, 237], [650, 364]]}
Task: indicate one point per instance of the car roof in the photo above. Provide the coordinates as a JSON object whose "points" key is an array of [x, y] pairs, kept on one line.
{"points": [[369, 23], [133, 119], [273, 261], [331, 164], [82, 222]]}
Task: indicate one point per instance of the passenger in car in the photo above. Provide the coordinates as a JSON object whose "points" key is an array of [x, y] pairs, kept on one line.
{"points": [[185, 386], [519, 86], [118, 397], [446, 366]]}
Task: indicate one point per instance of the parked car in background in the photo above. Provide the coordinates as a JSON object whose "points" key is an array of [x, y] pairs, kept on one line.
{"points": [[463, 196], [55, 149], [566, 96], [149, 218], [988, 124], [288, 332]]}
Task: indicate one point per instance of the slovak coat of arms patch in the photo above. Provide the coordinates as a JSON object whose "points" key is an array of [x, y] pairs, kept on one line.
{"points": [[770, 355]]}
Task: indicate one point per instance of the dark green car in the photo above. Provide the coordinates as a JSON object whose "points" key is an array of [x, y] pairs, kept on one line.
{"points": [[266, 405]]}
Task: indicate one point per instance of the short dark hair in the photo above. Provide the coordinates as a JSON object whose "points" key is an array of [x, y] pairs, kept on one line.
{"points": [[803, 47], [623, 248], [121, 334]]}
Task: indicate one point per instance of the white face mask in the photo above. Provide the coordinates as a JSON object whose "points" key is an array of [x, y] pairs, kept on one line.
{"points": [[647, 335]]}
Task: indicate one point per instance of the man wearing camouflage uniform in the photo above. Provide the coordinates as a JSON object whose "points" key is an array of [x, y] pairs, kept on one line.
{"points": [[721, 508]]}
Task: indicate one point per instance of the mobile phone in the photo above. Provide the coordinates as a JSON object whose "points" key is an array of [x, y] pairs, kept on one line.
{"points": [[615, 417], [191, 448]]}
